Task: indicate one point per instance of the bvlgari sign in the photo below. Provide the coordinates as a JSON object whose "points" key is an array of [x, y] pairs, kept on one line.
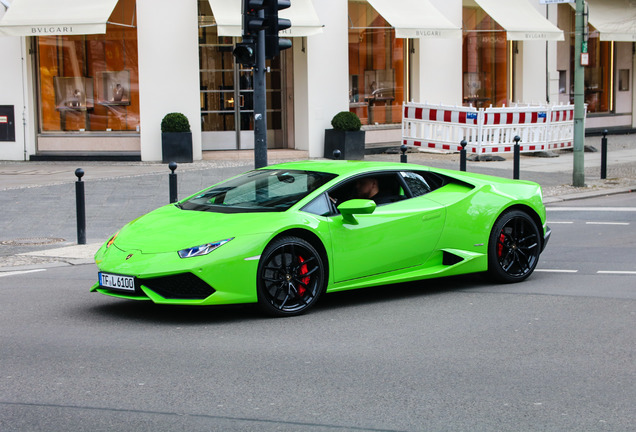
{"points": [[424, 33], [536, 36], [55, 17], [427, 33], [49, 30]]}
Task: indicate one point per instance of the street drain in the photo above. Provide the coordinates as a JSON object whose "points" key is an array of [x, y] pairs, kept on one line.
{"points": [[36, 241]]}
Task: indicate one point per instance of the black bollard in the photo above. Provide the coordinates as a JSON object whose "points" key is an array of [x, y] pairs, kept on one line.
{"points": [[462, 155], [80, 204], [173, 182], [604, 155], [336, 154], [517, 161], [403, 149]]}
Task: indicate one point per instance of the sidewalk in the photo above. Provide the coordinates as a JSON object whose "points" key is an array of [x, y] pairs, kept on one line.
{"points": [[38, 198]]}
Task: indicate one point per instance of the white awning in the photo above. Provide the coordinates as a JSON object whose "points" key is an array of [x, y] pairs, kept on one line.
{"points": [[416, 19], [521, 20], [56, 17], [303, 17], [615, 20]]}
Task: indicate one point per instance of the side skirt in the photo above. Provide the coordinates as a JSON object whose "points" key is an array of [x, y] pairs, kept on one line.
{"points": [[449, 262]]}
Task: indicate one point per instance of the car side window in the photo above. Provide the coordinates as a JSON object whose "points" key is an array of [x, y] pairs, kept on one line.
{"points": [[381, 187], [320, 206], [423, 182], [416, 183]]}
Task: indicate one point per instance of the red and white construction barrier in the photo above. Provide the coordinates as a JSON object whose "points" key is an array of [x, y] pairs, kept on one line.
{"points": [[489, 130], [561, 132], [438, 126]]}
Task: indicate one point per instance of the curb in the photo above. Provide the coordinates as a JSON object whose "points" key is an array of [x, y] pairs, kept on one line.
{"points": [[588, 194], [49, 258]]}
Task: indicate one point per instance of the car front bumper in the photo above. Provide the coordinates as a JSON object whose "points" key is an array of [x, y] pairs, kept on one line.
{"points": [[213, 279], [546, 237]]}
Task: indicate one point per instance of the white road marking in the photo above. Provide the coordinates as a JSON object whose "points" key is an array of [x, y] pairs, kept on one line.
{"points": [[20, 272], [616, 272], [620, 272], [607, 223], [555, 271], [555, 223], [605, 209]]}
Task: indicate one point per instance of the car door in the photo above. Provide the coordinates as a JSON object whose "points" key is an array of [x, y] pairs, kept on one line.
{"points": [[395, 236]]}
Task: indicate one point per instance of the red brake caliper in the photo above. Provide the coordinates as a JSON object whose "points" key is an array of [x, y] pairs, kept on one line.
{"points": [[502, 238], [304, 281]]}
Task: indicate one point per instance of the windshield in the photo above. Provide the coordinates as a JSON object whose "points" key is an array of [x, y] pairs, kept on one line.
{"points": [[260, 190]]}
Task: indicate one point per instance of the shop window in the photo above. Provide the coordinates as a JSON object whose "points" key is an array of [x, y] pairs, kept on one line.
{"points": [[597, 73], [562, 82], [623, 80], [485, 60], [376, 67], [90, 82]]}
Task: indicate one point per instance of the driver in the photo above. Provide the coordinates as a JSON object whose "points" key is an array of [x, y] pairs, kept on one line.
{"points": [[369, 188]]}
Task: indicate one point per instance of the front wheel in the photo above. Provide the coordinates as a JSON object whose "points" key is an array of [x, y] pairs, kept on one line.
{"points": [[291, 277], [514, 247]]}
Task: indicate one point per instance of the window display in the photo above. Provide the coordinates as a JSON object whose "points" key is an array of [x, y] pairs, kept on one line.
{"points": [[376, 67], [114, 88], [485, 60], [89, 83], [73, 93]]}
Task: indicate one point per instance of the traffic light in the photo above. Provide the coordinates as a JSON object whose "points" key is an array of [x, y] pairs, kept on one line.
{"points": [[273, 24], [245, 53], [253, 23]]}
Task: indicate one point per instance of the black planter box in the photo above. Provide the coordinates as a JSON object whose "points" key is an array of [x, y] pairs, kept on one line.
{"points": [[350, 144], [176, 147]]}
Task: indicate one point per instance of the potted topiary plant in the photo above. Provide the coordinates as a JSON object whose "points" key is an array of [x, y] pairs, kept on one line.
{"points": [[346, 136], [176, 138]]}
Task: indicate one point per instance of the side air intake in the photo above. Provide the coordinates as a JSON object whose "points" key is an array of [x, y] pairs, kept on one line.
{"points": [[449, 259]]}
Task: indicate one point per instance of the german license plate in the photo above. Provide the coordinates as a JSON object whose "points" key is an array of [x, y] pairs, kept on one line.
{"points": [[126, 283]]}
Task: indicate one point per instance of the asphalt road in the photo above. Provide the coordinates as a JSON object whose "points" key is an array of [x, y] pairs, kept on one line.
{"points": [[553, 353]]}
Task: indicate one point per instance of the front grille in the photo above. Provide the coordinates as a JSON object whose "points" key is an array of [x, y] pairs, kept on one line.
{"points": [[179, 286]]}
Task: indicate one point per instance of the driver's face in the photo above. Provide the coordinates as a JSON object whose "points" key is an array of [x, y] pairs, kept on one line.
{"points": [[366, 187]]}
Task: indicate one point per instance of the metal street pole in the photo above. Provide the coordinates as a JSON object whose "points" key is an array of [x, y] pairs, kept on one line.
{"points": [[578, 172], [260, 102]]}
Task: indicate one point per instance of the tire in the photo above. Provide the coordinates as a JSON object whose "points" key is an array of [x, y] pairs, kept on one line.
{"points": [[514, 247], [291, 277]]}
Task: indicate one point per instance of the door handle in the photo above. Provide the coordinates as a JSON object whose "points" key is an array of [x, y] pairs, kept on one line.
{"points": [[432, 215]]}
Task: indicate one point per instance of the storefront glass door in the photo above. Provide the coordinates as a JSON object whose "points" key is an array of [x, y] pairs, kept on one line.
{"points": [[227, 93]]}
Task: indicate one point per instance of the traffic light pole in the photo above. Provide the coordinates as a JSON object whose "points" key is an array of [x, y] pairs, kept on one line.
{"points": [[260, 103], [578, 170], [261, 41]]}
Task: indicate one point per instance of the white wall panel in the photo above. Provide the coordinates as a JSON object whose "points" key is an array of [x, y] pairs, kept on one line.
{"points": [[167, 36]]}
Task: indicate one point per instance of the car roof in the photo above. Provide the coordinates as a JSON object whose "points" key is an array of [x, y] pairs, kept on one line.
{"points": [[345, 167]]}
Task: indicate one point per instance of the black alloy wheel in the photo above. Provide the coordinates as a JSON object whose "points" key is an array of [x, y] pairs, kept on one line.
{"points": [[291, 277], [514, 247]]}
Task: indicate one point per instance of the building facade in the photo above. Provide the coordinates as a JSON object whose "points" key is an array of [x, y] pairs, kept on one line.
{"points": [[97, 81]]}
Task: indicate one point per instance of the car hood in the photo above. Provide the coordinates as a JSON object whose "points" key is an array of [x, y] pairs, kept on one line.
{"points": [[169, 229]]}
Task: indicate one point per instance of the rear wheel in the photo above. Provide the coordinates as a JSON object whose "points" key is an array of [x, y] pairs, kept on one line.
{"points": [[514, 247], [291, 277]]}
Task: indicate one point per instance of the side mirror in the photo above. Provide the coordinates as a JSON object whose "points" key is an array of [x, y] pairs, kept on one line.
{"points": [[349, 209]]}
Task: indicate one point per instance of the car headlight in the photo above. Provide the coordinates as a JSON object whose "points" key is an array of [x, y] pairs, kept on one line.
{"points": [[111, 240], [203, 249]]}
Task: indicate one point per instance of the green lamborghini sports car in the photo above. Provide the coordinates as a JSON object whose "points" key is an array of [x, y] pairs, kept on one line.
{"points": [[283, 235]]}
